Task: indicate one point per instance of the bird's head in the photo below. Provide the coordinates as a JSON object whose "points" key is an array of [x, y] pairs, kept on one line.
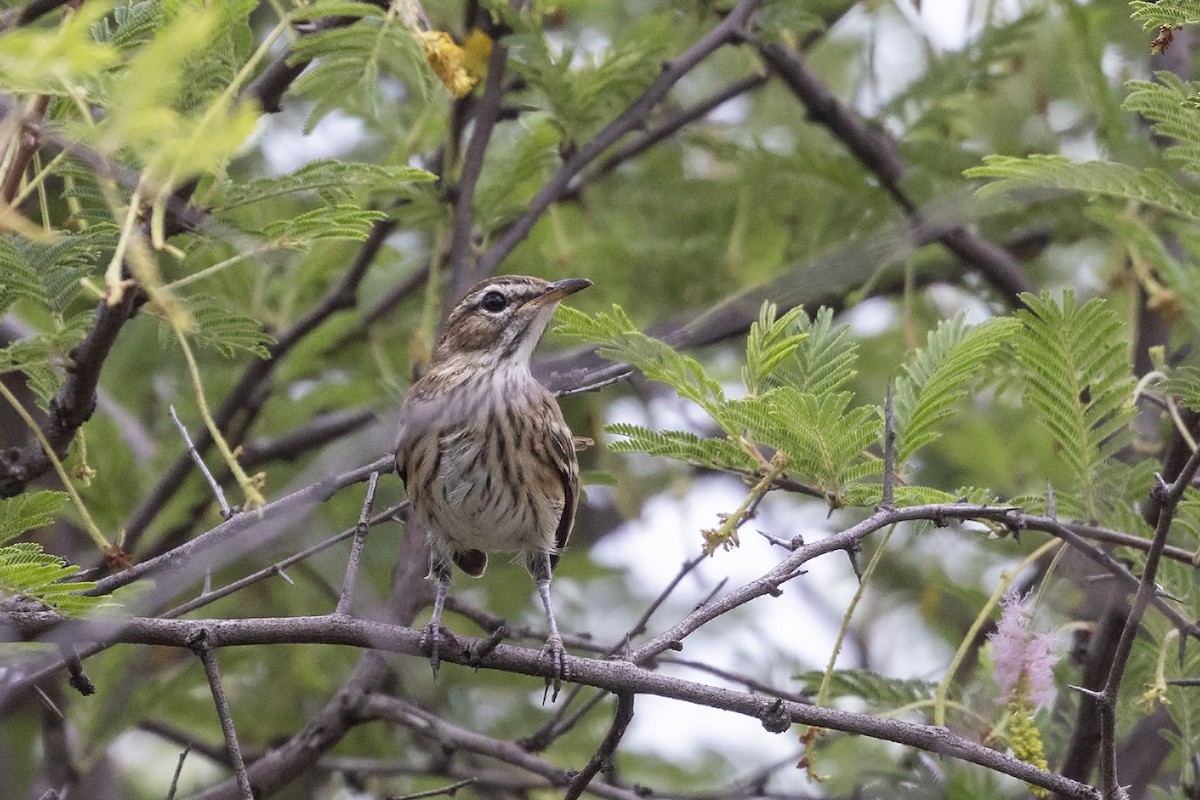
{"points": [[502, 319]]}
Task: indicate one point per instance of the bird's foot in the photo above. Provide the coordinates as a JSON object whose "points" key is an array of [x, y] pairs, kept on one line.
{"points": [[554, 652], [433, 637]]}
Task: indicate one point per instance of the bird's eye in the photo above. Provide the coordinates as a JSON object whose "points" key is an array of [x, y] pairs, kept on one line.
{"points": [[493, 302]]}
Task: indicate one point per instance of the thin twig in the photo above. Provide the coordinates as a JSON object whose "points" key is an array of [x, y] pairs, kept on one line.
{"points": [[728, 30], [668, 127], [889, 452], [356, 549], [201, 644], [449, 791], [453, 737], [226, 511], [178, 770], [602, 759]]}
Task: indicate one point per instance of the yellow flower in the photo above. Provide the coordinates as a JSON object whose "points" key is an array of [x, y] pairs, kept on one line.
{"points": [[448, 62], [477, 49], [1025, 740]]}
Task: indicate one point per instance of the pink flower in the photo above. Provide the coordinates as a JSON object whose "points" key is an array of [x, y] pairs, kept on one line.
{"points": [[1024, 660]]}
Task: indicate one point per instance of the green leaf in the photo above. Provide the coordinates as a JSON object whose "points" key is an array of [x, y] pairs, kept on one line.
{"points": [[1169, 13], [1078, 381], [25, 569], [335, 182], [770, 341], [215, 325], [1184, 384], [619, 340], [880, 692], [48, 273], [1107, 178], [338, 221], [349, 62], [938, 376], [709, 453], [824, 358], [28, 511], [1168, 104], [60, 60]]}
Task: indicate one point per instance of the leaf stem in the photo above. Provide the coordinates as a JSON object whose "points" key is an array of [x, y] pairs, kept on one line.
{"points": [[254, 498], [89, 524]]}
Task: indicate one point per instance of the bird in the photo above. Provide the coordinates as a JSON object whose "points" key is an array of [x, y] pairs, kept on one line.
{"points": [[487, 460]]}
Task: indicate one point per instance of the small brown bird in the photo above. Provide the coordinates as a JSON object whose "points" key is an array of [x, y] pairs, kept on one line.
{"points": [[483, 450]]}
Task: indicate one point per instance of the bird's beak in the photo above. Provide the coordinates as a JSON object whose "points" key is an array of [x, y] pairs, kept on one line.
{"points": [[558, 290]]}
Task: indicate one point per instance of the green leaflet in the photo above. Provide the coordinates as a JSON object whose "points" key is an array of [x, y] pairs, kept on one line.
{"points": [[823, 436], [334, 181], [1150, 186], [28, 571], [48, 273], [1077, 379], [215, 325], [1171, 13], [1169, 103], [880, 692], [939, 375]]}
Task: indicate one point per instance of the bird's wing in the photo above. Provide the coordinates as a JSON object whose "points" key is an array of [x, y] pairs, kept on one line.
{"points": [[562, 450]]}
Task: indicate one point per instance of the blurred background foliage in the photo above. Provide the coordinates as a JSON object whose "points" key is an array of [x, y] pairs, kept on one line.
{"points": [[753, 201]]}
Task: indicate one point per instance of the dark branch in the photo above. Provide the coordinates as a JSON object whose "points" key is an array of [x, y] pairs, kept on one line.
{"points": [[729, 30], [880, 154]]}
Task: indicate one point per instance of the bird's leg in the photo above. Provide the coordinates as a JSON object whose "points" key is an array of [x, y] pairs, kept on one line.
{"points": [[440, 572], [553, 649]]}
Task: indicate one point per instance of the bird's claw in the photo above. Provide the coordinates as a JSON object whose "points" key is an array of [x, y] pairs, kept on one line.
{"points": [[431, 640], [554, 651]]}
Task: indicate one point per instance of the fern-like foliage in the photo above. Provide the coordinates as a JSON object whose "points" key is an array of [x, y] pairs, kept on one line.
{"points": [[48, 273], [824, 359], [1077, 379], [334, 182], [1169, 104], [215, 325], [939, 375], [1184, 384], [770, 341], [619, 339], [348, 62], [1169, 13], [1105, 178], [822, 435], [338, 221], [28, 571], [880, 692], [709, 453], [42, 357], [581, 97]]}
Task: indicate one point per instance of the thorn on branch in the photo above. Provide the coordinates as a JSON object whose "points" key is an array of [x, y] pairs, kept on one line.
{"points": [[853, 550], [791, 545], [476, 654], [226, 511], [1098, 696]]}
